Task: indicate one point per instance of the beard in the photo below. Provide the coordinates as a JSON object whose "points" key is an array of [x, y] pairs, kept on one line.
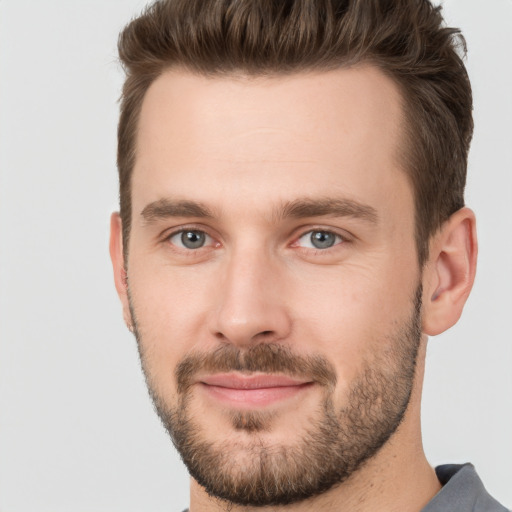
{"points": [[336, 443]]}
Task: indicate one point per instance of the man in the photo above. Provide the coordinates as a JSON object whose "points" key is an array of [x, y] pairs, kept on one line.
{"points": [[292, 229]]}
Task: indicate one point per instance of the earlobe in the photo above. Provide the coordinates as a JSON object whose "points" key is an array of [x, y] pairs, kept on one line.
{"points": [[450, 273], [117, 257]]}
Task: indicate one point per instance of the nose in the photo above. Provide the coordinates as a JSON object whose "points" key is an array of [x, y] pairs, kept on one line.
{"points": [[250, 305]]}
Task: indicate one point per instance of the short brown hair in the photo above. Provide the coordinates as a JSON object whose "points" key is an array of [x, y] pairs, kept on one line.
{"points": [[406, 39]]}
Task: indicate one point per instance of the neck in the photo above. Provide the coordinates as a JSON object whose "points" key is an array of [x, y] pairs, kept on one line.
{"points": [[397, 478]]}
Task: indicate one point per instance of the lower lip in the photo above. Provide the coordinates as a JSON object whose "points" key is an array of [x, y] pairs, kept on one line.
{"points": [[259, 397]]}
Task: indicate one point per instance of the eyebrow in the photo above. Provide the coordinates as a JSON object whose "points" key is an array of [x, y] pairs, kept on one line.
{"points": [[296, 209], [336, 207], [166, 208]]}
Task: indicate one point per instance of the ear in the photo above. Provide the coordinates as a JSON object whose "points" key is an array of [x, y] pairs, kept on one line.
{"points": [[450, 272], [117, 257]]}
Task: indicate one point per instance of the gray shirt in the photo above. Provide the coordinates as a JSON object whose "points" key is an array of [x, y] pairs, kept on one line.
{"points": [[462, 491]]}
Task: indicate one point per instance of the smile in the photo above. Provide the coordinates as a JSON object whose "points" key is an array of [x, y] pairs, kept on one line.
{"points": [[253, 390]]}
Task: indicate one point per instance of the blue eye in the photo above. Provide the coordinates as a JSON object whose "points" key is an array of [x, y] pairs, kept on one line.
{"points": [[190, 239], [319, 239]]}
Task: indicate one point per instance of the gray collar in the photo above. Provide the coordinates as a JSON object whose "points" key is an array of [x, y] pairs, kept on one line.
{"points": [[462, 491]]}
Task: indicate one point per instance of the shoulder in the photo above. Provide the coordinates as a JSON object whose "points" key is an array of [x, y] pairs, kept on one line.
{"points": [[462, 491]]}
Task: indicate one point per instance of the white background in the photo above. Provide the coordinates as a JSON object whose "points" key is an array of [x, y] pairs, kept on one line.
{"points": [[77, 431]]}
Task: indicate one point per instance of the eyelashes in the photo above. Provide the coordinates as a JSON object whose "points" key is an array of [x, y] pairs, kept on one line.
{"points": [[192, 239], [319, 239]]}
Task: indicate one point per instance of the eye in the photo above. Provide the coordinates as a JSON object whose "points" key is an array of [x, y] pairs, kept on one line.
{"points": [[319, 239], [190, 239]]}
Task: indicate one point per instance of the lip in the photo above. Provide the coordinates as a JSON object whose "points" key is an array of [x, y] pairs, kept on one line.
{"points": [[249, 391]]}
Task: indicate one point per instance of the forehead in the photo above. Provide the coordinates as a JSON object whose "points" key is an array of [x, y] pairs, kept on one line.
{"points": [[302, 134]]}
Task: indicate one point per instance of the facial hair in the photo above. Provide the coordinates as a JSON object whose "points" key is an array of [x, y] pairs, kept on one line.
{"points": [[336, 443]]}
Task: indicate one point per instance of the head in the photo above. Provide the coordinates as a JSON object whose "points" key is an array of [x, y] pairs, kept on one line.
{"points": [[291, 229]]}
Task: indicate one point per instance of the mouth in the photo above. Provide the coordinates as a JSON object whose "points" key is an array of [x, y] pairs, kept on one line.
{"points": [[252, 391]]}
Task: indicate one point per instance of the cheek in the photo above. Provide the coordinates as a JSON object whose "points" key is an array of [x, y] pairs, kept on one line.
{"points": [[170, 310], [352, 315]]}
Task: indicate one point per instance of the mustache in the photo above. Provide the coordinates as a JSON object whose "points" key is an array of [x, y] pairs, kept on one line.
{"points": [[265, 358]]}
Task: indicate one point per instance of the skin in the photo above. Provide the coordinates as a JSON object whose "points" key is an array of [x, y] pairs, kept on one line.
{"points": [[244, 147]]}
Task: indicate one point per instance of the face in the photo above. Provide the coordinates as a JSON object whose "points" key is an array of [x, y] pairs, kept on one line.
{"points": [[272, 276]]}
